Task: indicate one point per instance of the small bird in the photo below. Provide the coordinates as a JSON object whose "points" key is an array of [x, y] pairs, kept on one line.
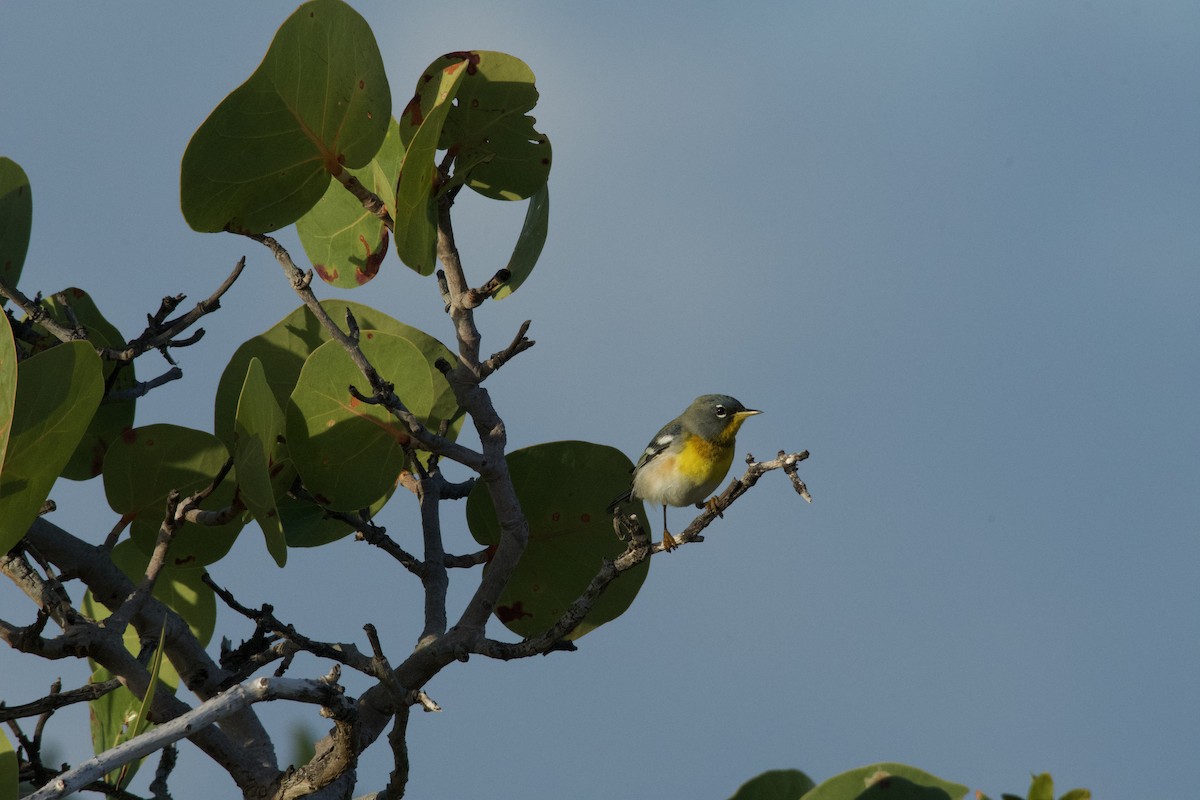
{"points": [[689, 457]]}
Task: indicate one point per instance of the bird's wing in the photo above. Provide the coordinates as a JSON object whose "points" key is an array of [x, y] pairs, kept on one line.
{"points": [[660, 443]]}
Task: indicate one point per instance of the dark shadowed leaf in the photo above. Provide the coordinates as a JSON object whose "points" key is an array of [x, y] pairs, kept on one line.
{"points": [[564, 489], [16, 217], [257, 453], [775, 784], [145, 464], [110, 418]]}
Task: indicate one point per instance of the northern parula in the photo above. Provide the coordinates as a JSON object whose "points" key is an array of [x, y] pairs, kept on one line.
{"points": [[689, 457]]}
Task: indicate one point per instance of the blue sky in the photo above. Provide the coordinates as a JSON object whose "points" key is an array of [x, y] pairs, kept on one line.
{"points": [[949, 248]]}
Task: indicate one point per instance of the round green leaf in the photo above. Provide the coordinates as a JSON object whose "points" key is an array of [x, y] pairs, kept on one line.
{"points": [[871, 781], [257, 454], [145, 464], [345, 242], [564, 489], [319, 102], [57, 392], [16, 217], [350, 453], [110, 418], [775, 784]]}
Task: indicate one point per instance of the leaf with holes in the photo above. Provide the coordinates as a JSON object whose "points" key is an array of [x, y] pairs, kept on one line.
{"points": [[58, 391], [416, 207], [145, 464], [498, 153], [317, 103], [257, 454], [350, 453], [16, 218], [345, 242], [565, 489]]}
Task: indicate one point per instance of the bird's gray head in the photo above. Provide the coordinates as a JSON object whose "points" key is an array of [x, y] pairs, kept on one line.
{"points": [[716, 417]]}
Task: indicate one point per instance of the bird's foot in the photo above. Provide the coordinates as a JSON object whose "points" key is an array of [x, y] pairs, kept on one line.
{"points": [[669, 543]]}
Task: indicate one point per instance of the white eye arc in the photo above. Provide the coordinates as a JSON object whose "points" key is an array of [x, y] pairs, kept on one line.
{"points": [[720, 412]]}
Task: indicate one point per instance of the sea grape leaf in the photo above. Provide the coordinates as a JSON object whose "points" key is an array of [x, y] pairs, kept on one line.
{"points": [[57, 392], [775, 784], [110, 418], [283, 349], [498, 152], [910, 784], [258, 428], [416, 206], [350, 453], [16, 219], [319, 102], [564, 489], [8, 383], [146, 463], [529, 242], [345, 242]]}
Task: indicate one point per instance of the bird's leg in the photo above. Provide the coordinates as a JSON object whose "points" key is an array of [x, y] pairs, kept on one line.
{"points": [[668, 542], [711, 505]]}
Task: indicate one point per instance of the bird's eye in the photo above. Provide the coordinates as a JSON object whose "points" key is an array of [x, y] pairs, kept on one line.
{"points": [[720, 412]]}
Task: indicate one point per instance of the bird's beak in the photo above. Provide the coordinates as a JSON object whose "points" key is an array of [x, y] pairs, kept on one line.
{"points": [[749, 412]]}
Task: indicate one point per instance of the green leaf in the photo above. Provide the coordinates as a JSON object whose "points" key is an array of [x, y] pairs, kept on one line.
{"points": [[1077, 794], [181, 589], [8, 383], [140, 722], [416, 207], [9, 771], [16, 218], [141, 469], [110, 418], [564, 489], [775, 784], [283, 349], [345, 242], [258, 427], [110, 715], [887, 780], [497, 150], [319, 102], [350, 453], [529, 243], [58, 391], [1041, 787]]}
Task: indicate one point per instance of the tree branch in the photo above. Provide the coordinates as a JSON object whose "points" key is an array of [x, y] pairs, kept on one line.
{"points": [[203, 717]]}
